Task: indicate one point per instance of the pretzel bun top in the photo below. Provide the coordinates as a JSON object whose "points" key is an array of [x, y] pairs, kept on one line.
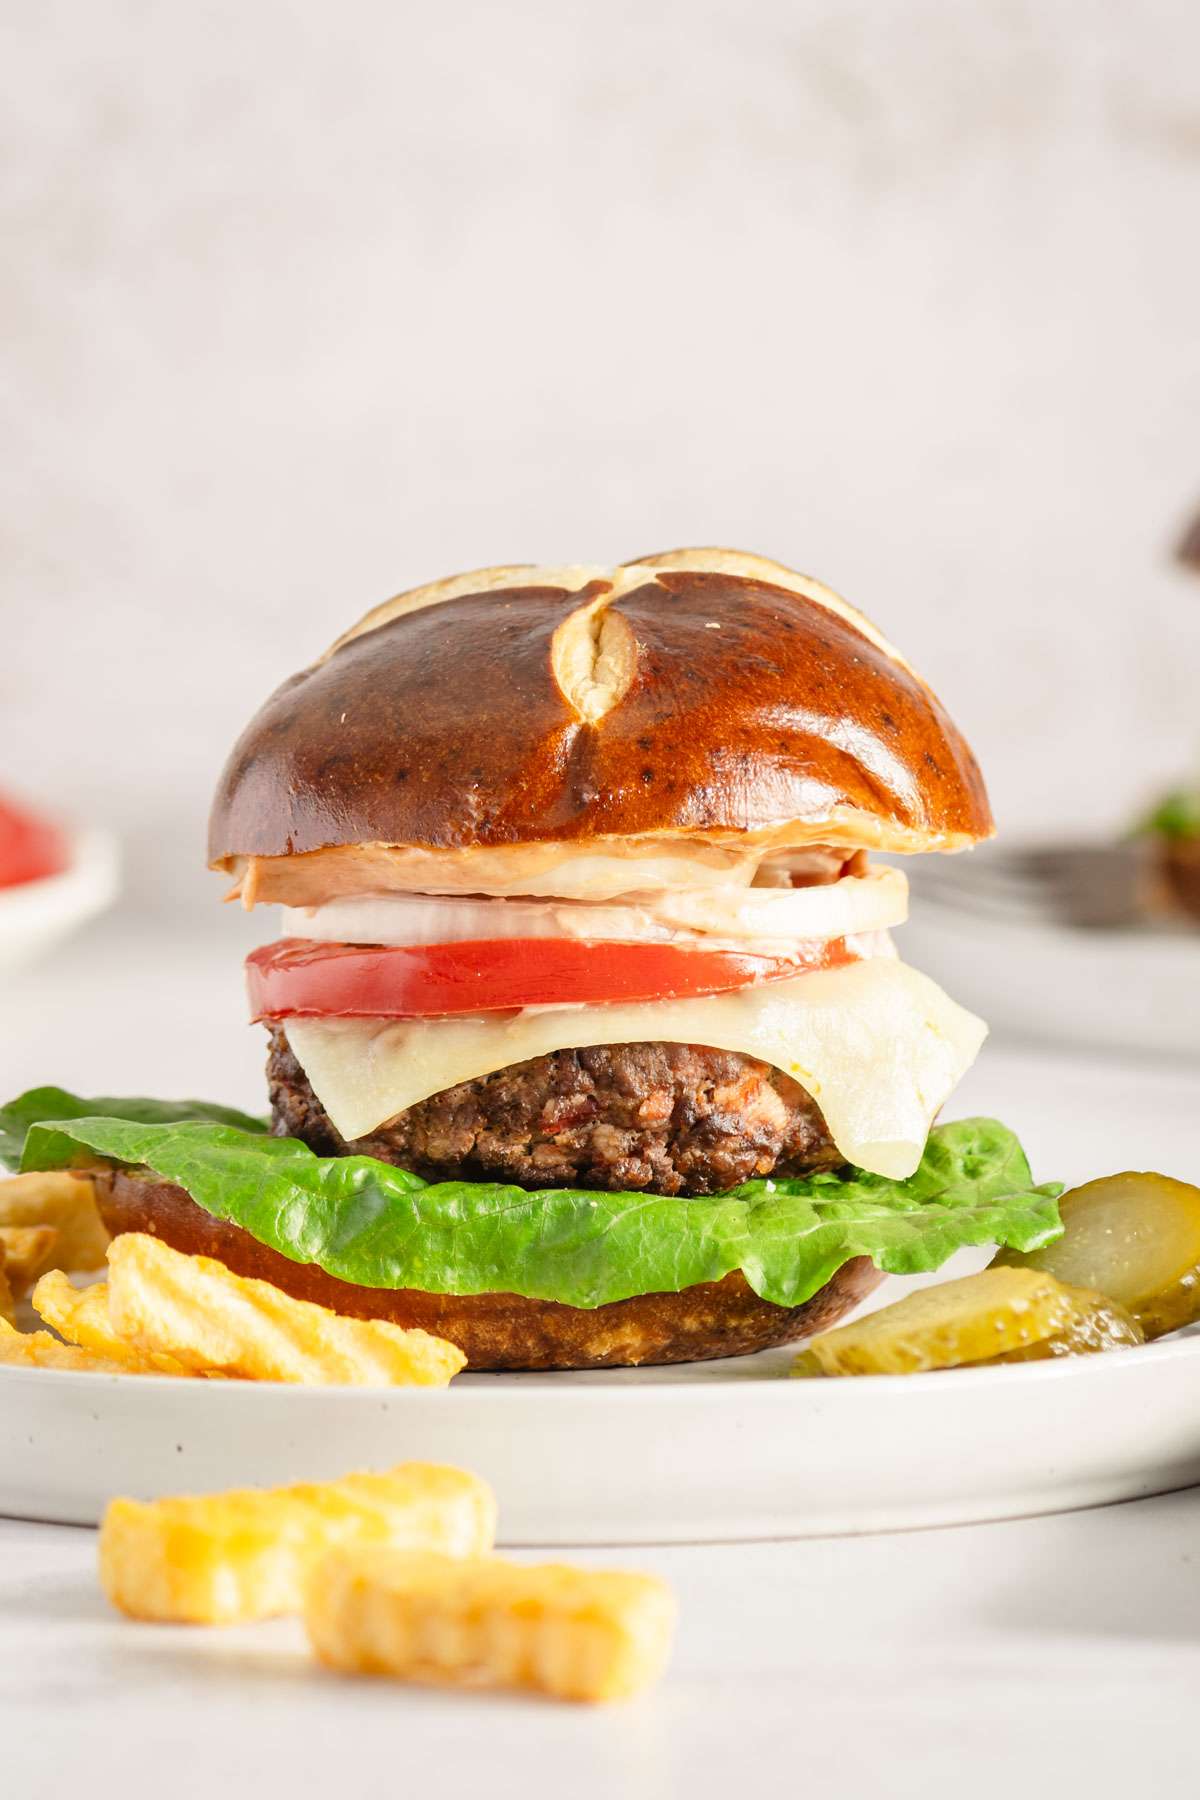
{"points": [[706, 696]]}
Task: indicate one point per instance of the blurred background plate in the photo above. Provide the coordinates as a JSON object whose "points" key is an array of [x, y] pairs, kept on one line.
{"points": [[1063, 944], [36, 915]]}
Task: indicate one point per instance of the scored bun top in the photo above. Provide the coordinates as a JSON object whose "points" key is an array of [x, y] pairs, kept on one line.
{"points": [[706, 695]]}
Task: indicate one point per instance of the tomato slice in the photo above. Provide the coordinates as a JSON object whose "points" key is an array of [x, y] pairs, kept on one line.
{"points": [[300, 977], [30, 847]]}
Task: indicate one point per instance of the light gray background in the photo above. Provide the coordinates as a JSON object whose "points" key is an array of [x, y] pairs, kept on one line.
{"points": [[303, 304]]}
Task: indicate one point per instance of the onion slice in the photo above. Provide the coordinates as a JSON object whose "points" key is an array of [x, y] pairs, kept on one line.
{"points": [[768, 918]]}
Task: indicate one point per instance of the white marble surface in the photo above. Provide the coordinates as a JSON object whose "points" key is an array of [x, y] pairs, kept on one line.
{"points": [[1047, 1657]]}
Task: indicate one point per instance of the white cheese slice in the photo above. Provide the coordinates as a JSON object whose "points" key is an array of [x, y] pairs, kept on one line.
{"points": [[877, 1045]]}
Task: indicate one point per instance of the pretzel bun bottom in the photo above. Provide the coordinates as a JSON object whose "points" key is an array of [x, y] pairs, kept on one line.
{"points": [[502, 1331]]}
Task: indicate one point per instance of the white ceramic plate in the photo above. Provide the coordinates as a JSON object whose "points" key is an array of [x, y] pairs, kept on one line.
{"points": [[716, 1451], [35, 915]]}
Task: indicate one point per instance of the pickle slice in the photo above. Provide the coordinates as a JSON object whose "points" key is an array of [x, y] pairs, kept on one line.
{"points": [[1134, 1237], [975, 1319], [1096, 1324]]}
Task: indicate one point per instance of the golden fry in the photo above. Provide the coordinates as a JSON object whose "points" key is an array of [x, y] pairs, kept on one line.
{"points": [[38, 1350], [8, 1311], [80, 1315], [68, 1202], [580, 1634], [197, 1310], [221, 1558], [28, 1251]]}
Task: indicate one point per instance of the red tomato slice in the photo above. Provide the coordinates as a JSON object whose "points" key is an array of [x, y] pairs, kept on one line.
{"points": [[300, 977], [30, 848]]}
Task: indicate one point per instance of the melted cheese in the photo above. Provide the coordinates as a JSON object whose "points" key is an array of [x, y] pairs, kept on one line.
{"points": [[877, 1045]]}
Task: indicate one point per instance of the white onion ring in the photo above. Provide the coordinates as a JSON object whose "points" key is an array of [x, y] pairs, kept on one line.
{"points": [[724, 917]]}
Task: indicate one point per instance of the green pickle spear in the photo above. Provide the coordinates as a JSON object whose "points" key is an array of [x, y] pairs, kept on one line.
{"points": [[1096, 1324], [1001, 1315], [1134, 1237], [975, 1319]]}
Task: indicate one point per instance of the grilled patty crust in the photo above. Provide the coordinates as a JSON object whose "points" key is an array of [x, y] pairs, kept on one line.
{"points": [[659, 1118]]}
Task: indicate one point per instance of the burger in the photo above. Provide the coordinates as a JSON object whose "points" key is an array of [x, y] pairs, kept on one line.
{"points": [[587, 1039]]}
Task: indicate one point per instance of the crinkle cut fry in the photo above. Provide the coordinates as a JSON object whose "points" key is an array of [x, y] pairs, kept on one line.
{"points": [[39, 1350], [579, 1634], [80, 1315], [222, 1558], [27, 1252], [64, 1200], [198, 1311]]}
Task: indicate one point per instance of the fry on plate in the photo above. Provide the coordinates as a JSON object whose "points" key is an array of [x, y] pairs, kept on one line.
{"points": [[579, 1634], [38, 1350], [197, 1310], [80, 1315], [65, 1201], [220, 1558], [8, 1311], [29, 1250]]}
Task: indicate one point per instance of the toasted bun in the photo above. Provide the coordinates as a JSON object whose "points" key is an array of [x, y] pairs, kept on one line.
{"points": [[502, 1331], [703, 695]]}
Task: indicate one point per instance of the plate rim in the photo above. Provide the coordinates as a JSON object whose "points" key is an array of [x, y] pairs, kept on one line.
{"points": [[622, 1382]]}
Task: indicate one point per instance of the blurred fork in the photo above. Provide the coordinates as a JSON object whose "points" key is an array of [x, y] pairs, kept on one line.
{"points": [[1091, 887]]}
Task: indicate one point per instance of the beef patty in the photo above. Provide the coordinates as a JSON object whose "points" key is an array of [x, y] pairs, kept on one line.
{"points": [[667, 1118]]}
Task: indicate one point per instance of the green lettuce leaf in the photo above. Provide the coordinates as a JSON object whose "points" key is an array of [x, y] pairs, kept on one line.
{"points": [[376, 1226], [55, 1103]]}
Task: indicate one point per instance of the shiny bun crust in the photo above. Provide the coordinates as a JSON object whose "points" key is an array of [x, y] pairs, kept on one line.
{"points": [[502, 1331], [703, 694]]}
